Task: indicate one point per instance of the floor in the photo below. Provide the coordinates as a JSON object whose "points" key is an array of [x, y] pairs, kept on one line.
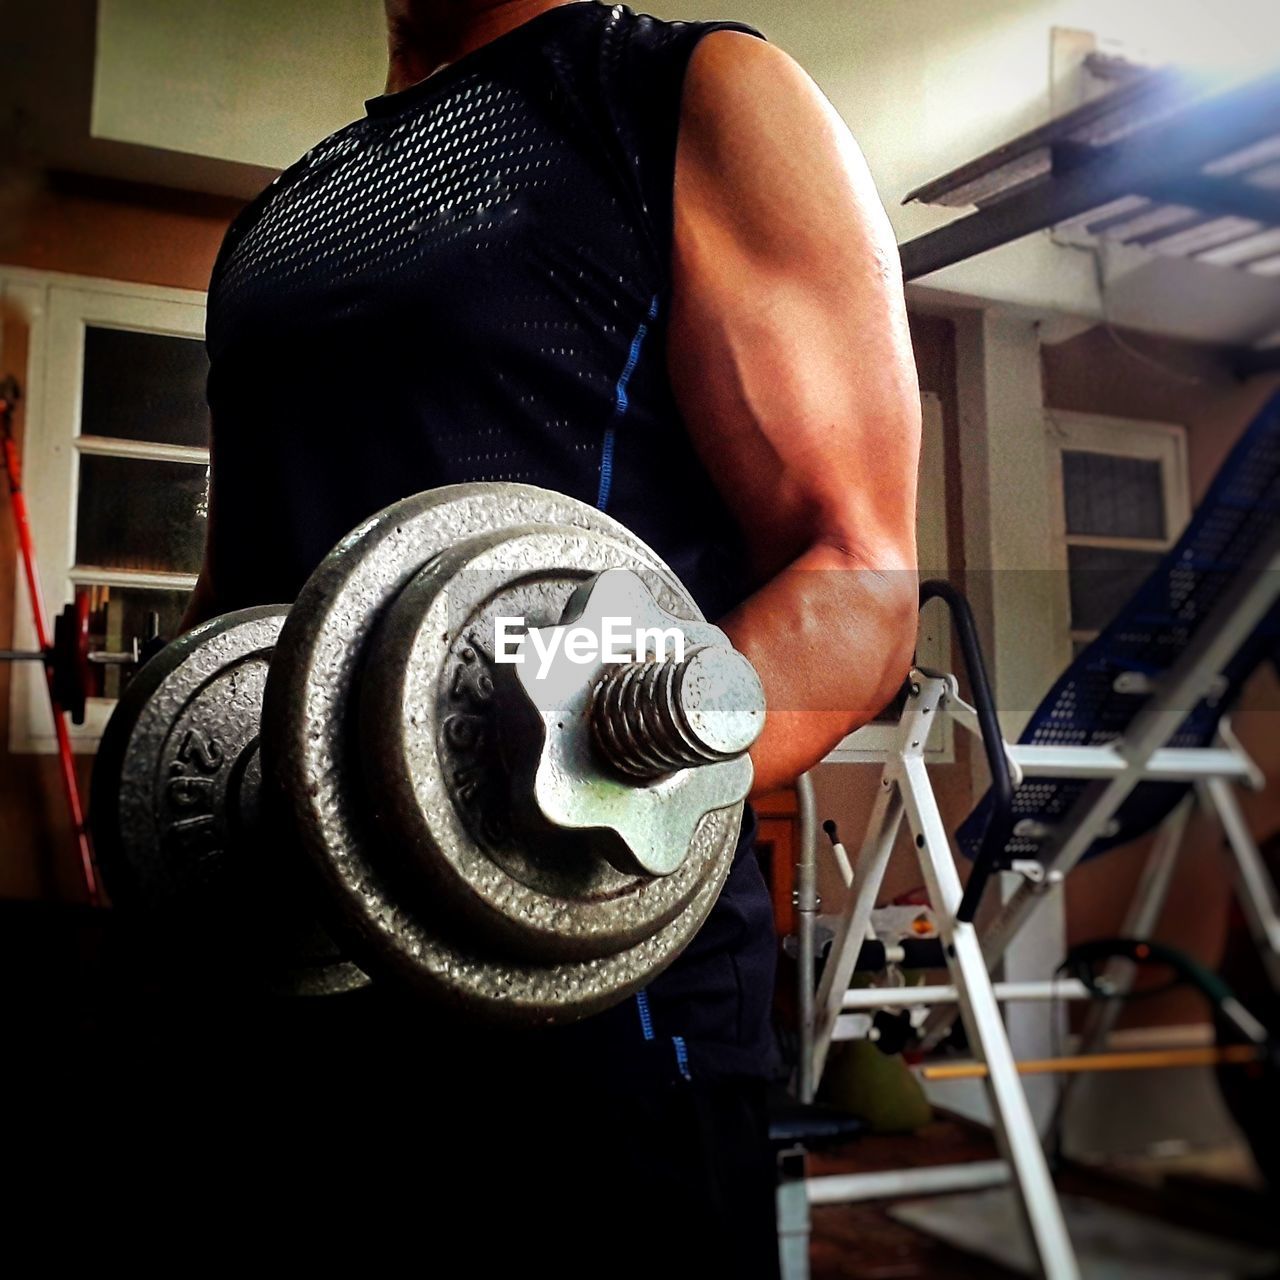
{"points": [[861, 1242]]}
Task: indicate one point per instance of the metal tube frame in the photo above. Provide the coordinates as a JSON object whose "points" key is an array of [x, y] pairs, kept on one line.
{"points": [[861, 999], [1140, 921], [888, 1184], [807, 905], [1255, 888], [1242, 607], [1175, 147], [1140, 755], [905, 791]]}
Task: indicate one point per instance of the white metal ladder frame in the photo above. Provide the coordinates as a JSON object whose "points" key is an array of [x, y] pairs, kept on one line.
{"points": [[906, 792]]}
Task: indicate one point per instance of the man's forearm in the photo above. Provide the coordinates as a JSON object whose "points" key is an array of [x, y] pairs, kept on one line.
{"points": [[832, 641]]}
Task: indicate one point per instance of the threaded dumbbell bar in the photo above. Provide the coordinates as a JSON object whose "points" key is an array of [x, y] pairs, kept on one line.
{"points": [[651, 718], [462, 830]]}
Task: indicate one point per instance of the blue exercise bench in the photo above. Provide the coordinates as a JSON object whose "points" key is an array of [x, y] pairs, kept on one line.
{"points": [[1146, 703], [1094, 702]]}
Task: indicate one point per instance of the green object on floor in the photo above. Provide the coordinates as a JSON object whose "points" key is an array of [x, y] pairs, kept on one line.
{"points": [[876, 1087]]}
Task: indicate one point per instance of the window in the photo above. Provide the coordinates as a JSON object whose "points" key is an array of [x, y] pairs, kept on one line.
{"points": [[1120, 500], [116, 456], [869, 744], [116, 460]]}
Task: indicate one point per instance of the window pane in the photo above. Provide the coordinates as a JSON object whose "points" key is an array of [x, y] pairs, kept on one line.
{"points": [[137, 514], [1101, 580], [1115, 497], [144, 386], [120, 614]]}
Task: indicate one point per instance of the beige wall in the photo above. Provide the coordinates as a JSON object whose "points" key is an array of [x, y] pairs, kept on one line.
{"points": [[37, 856], [114, 231], [1171, 382], [111, 232], [925, 85], [241, 80]]}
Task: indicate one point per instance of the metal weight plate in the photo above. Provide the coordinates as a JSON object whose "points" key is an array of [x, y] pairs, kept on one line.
{"points": [[175, 813], [313, 750], [435, 714], [634, 754], [72, 671]]}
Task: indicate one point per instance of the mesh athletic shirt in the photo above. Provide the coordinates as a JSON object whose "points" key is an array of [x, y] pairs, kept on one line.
{"points": [[472, 283]]}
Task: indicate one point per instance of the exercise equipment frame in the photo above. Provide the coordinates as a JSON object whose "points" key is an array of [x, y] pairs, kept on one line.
{"points": [[906, 793]]}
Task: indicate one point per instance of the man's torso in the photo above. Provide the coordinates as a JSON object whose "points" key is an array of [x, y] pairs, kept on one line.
{"points": [[471, 284]]}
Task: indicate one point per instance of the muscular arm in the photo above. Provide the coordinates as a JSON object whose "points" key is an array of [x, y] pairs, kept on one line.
{"points": [[791, 360]]}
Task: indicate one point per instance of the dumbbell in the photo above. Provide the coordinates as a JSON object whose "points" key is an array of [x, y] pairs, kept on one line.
{"points": [[417, 775]]}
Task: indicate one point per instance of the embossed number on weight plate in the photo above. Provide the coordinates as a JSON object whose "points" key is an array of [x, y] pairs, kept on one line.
{"points": [[196, 835], [468, 738]]}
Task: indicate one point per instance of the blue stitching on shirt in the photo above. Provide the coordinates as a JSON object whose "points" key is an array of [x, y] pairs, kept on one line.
{"points": [[646, 1015], [621, 404], [606, 469], [682, 1056], [620, 401]]}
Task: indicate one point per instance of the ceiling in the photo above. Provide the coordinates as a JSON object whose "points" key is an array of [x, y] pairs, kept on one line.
{"points": [[46, 104], [1170, 183], [1165, 263]]}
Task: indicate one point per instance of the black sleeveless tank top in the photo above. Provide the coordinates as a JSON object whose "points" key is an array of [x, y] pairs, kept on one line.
{"points": [[471, 283], [468, 284]]}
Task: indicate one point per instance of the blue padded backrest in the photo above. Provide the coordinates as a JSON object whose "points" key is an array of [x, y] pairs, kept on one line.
{"points": [[1149, 635]]}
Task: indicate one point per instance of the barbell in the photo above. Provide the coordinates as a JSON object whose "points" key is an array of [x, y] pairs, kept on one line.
{"points": [[72, 656], [437, 768]]}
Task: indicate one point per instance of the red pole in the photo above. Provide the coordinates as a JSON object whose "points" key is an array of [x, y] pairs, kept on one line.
{"points": [[66, 761]]}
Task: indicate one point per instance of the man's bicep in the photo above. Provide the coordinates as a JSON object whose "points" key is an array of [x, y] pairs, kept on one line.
{"points": [[788, 346]]}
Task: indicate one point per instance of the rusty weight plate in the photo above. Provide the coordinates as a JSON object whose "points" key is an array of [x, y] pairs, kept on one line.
{"points": [[448, 761], [391, 923], [176, 817]]}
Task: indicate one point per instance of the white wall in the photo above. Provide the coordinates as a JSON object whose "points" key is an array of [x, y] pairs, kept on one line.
{"points": [[924, 84], [928, 84], [252, 81]]}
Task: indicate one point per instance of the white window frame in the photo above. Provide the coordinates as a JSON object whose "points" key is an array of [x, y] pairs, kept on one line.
{"points": [[871, 743], [1162, 442], [56, 309]]}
